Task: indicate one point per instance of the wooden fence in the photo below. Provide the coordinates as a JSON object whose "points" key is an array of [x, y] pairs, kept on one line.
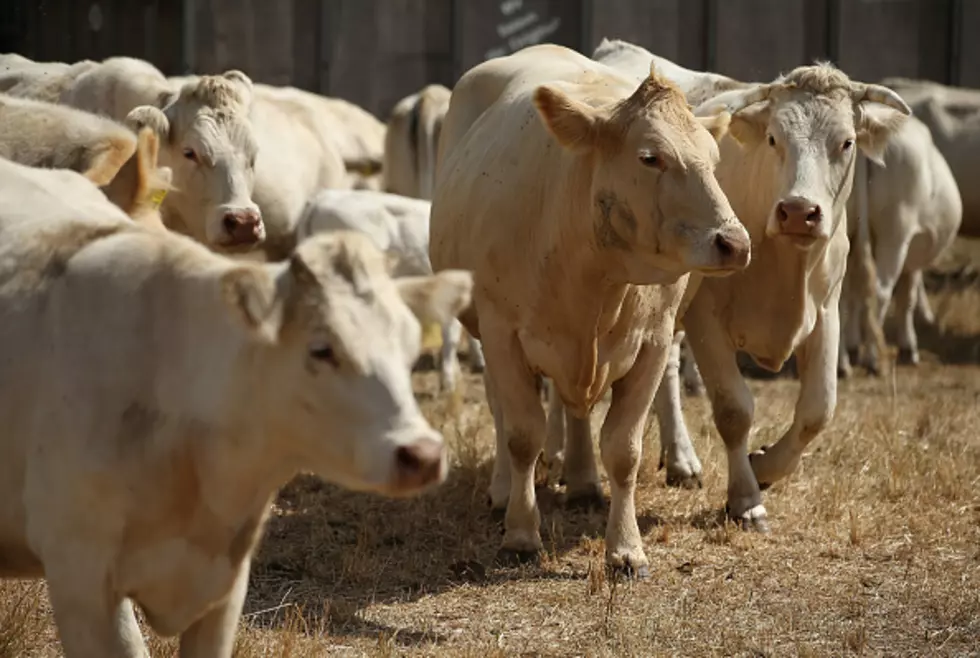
{"points": [[374, 52]]}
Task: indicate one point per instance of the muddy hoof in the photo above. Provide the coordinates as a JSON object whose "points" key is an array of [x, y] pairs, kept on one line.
{"points": [[477, 369], [852, 355], [512, 557], [907, 357], [628, 571], [749, 522], [589, 501], [764, 485], [685, 481]]}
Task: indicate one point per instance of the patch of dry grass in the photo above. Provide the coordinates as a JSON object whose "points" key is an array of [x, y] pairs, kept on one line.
{"points": [[875, 547]]}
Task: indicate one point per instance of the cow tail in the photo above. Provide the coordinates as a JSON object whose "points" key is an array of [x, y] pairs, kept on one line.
{"points": [[414, 130], [425, 143], [870, 328]]}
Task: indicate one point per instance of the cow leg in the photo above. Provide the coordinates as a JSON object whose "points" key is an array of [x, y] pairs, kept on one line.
{"points": [[890, 251], [850, 317], [676, 450], [213, 635], [690, 376], [448, 361], [815, 405], [581, 474], [733, 408], [520, 422], [905, 302], [621, 443], [500, 480], [91, 621], [554, 447], [477, 363]]}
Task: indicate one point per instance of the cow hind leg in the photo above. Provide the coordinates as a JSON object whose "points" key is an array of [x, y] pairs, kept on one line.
{"points": [[554, 448], [733, 408], [580, 473], [476, 360], [676, 450], [499, 490], [906, 293], [448, 361], [213, 635], [815, 405]]}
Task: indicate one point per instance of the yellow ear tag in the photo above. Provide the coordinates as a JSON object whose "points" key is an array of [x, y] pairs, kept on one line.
{"points": [[157, 197], [431, 336]]}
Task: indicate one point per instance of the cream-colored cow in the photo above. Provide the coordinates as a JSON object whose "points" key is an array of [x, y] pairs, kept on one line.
{"points": [[581, 201], [206, 139], [45, 81], [913, 210], [155, 395], [787, 166], [412, 141], [953, 116], [399, 226]]}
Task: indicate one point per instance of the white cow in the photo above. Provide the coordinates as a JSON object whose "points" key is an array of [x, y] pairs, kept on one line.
{"points": [[412, 141], [581, 201], [913, 210], [399, 226], [953, 116], [45, 81], [155, 395], [787, 167]]}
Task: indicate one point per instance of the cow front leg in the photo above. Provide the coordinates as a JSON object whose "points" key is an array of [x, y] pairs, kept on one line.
{"points": [[499, 490], [621, 443], [676, 450], [906, 294], [690, 375], [581, 475], [213, 635], [815, 405], [91, 620], [733, 408], [520, 423]]}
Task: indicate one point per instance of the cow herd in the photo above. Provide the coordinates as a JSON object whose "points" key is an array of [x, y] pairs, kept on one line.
{"points": [[208, 285]]}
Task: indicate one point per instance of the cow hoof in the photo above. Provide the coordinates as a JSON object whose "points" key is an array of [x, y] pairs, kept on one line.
{"points": [[843, 373], [907, 356], [693, 391], [588, 500], [852, 354], [477, 369], [628, 571], [684, 480], [514, 557], [497, 514], [754, 520]]}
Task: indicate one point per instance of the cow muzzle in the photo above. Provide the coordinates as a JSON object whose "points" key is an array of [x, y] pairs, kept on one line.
{"points": [[418, 465], [799, 219], [241, 228], [730, 250]]}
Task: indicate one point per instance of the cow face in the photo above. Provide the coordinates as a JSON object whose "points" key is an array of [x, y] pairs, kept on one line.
{"points": [[208, 143], [811, 124], [341, 338], [656, 202]]}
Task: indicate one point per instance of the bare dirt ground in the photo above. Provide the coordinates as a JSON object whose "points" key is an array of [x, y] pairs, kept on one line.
{"points": [[875, 544]]}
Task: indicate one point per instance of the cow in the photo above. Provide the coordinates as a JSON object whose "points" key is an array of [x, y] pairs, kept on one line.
{"points": [[156, 394], [412, 140], [953, 117], [581, 201], [357, 135], [787, 167], [45, 81], [913, 210], [206, 139], [399, 226]]}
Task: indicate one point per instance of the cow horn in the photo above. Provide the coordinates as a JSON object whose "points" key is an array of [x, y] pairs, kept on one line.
{"points": [[879, 94], [733, 101], [653, 68]]}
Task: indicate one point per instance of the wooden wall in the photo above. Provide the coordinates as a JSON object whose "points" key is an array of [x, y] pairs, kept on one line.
{"points": [[374, 52]]}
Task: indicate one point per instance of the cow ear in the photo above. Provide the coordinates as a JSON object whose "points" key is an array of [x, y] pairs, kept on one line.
{"points": [[876, 124], [574, 125], [147, 116], [716, 124], [252, 297], [748, 126], [439, 298], [243, 82]]}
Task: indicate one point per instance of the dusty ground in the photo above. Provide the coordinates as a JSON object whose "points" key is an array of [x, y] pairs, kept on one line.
{"points": [[875, 548]]}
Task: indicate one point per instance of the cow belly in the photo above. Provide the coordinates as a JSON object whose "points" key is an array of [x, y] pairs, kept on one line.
{"points": [[175, 582]]}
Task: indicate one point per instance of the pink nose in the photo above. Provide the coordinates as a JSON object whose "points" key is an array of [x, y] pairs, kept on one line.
{"points": [[418, 464], [798, 216], [243, 226]]}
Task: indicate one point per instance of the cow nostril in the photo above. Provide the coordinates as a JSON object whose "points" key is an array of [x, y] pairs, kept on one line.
{"points": [[814, 216], [229, 223], [408, 459], [723, 246], [781, 213]]}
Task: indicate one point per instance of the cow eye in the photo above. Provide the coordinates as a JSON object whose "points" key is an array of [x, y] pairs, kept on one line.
{"points": [[846, 146], [190, 155], [649, 159], [326, 354], [772, 141]]}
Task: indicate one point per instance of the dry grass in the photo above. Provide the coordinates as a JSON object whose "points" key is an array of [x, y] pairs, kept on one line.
{"points": [[875, 547]]}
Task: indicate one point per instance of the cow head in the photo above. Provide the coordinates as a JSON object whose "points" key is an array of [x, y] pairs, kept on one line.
{"points": [[207, 141], [656, 202], [807, 127], [340, 336]]}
